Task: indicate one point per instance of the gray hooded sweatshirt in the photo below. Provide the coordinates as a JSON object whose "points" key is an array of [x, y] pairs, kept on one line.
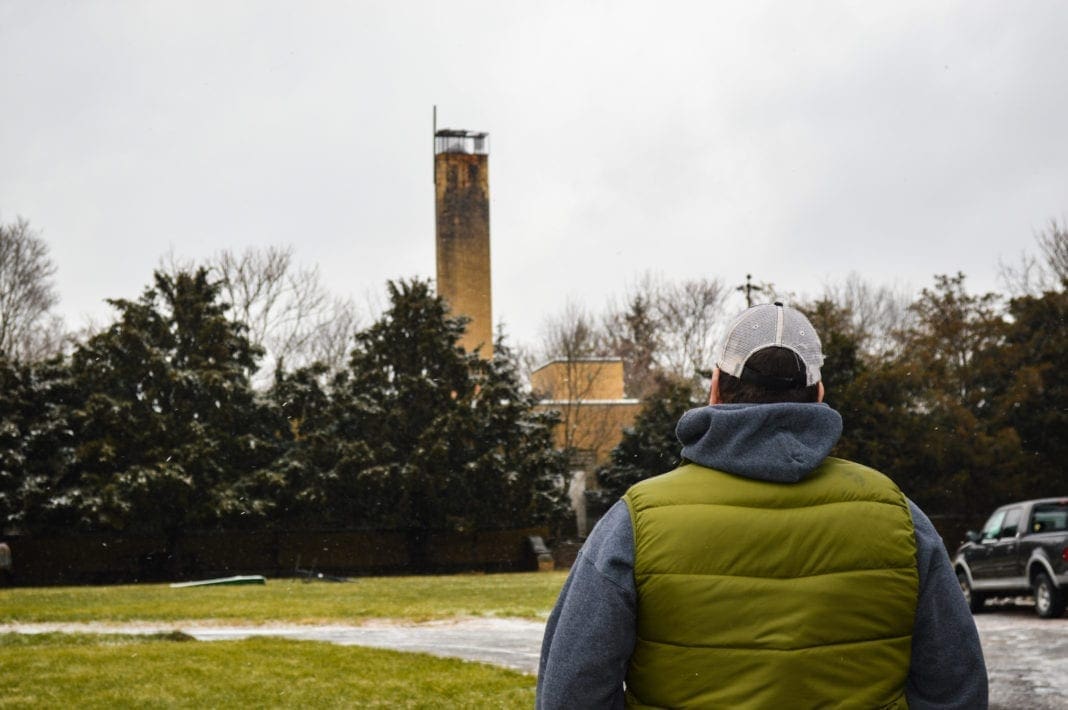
{"points": [[591, 631]]}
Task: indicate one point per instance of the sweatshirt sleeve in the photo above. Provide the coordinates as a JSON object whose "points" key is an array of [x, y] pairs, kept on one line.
{"points": [[947, 669], [590, 634]]}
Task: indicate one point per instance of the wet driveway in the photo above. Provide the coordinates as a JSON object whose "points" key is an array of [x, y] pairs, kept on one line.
{"points": [[512, 643], [1027, 657]]}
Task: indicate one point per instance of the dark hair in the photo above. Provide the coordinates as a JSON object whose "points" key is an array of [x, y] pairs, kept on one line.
{"points": [[772, 362]]}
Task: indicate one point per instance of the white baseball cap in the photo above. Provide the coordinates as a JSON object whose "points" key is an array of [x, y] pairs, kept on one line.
{"points": [[765, 326]]}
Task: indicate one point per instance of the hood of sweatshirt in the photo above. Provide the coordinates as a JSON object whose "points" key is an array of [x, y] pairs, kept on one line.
{"points": [[771, 442]]}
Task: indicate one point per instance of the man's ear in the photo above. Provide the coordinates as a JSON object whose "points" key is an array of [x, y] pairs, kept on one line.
{"points": [[713, 391], [819, 397]]}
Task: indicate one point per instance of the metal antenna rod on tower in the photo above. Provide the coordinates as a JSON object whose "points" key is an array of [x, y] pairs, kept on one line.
{"points": [[749, 287]]}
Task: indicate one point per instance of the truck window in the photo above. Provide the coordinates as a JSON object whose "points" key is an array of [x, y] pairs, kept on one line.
{"points": [[1050, 517], [993, 526], [1011, 525]]}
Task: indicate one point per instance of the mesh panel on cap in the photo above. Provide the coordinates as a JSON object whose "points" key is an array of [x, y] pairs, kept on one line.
{"points": [[763, 326]]}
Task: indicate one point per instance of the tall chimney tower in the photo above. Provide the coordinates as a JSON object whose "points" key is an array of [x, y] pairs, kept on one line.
{"points": [[461, 187]]}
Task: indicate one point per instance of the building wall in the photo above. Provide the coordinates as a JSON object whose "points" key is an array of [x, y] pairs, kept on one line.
{"points": [[463, 243], [596, 428], [588, 394], [593, 378]]}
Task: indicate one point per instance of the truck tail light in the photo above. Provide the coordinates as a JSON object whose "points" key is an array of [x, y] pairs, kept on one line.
{"points": [[1064, 554]]}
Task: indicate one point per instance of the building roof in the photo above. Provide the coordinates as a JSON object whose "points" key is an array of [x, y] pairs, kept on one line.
{"points": [[574, 360], [460, 133]]}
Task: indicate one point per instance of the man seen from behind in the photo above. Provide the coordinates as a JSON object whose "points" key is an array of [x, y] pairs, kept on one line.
{"points": [[763, 573]]}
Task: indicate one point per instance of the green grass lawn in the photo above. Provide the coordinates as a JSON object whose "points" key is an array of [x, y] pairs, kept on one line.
{"points": [[171, 670], [90, 671], [424, 598]]}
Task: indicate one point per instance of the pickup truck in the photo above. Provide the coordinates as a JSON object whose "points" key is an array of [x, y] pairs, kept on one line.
{"points": [[1022, 549]]}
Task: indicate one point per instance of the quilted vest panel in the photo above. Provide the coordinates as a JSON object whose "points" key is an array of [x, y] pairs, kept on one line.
{"points": [[770, 595]]}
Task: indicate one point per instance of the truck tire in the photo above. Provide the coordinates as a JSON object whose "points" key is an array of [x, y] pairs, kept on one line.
{"points": [[976, 601], [1049, 601]]}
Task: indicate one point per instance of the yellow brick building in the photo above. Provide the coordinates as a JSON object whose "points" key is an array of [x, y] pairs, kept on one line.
{"points": [[589, 398]]}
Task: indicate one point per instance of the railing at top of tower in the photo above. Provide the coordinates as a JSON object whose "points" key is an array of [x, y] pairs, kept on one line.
{"points": [[448, 140]]}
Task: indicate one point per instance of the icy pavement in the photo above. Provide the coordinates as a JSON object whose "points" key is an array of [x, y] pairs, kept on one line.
{"points": [[1027, 657], [512, 643]]}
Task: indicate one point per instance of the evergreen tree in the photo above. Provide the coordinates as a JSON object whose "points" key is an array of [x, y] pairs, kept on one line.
{"points": [[1030, 375], [924, 414], [843, 360], [921, 412], [35, 437], [304, 403], [867, 389], [649, 447], [418, 434], [960, 456], [169, 433], [634, 336]]}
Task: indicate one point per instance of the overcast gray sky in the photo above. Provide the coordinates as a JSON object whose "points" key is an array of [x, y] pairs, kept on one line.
{"points": [[795, 141]]}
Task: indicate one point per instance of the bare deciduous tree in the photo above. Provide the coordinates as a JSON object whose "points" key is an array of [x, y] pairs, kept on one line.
{"points": [[1046, 272], [878, 314], [28, 331], [668, 327], [691, 315], [574, 347], [570, 338], [287, 309], [573, 334], [333, 338]]}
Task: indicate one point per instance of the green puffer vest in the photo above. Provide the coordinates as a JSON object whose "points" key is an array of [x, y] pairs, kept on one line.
{"points": [[754, 594]]}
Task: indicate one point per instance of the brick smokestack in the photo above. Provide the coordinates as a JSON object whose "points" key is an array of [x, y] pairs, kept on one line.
{"points": [[461, 186]]}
